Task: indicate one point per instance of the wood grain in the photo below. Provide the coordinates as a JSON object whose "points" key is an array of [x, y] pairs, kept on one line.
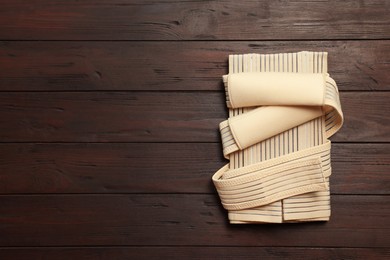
{"points": [[108, 168], [75, 66], [124, 252], [156, 117], [109, 114], [193, 20], [187, 220]]}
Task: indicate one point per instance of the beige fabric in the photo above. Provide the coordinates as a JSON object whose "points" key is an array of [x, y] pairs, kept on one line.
{"points": [[269, 88], [254, 126], [282, 110]]}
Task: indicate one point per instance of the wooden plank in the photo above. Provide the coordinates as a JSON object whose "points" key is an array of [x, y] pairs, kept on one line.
{"points": [[103, 117], [156, 117], [67, 66], [189, 20], [162, 168], [188, 220], [355, 166], [92, 253]]}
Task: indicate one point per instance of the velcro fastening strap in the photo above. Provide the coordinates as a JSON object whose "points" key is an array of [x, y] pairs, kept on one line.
{"points": [[269, 185]]}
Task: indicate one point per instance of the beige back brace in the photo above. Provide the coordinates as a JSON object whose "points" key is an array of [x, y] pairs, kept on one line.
{"points": [[282, 110]]}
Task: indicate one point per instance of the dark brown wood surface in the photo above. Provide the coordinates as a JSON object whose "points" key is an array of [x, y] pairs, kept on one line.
{"points": [[105, 168], [172, 66], [183, 252], [193, 20], [156, 116], [109, 114], [177, 219]]}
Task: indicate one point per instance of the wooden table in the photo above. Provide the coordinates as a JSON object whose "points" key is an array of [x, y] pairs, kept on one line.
{"points": [[109, 113]]}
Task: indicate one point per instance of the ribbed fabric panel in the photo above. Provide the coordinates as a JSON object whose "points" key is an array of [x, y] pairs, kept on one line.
{"points": [[286, 142], [272, 184], [312, 206], [228, 143], [307, 207], [270, 213]]}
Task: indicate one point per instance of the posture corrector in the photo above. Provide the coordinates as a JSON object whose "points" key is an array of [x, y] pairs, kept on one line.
{"points": [[283, 108]]}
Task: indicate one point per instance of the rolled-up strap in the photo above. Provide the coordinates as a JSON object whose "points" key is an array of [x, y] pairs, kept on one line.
{"points": [[274, 88], [264, 122]]}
